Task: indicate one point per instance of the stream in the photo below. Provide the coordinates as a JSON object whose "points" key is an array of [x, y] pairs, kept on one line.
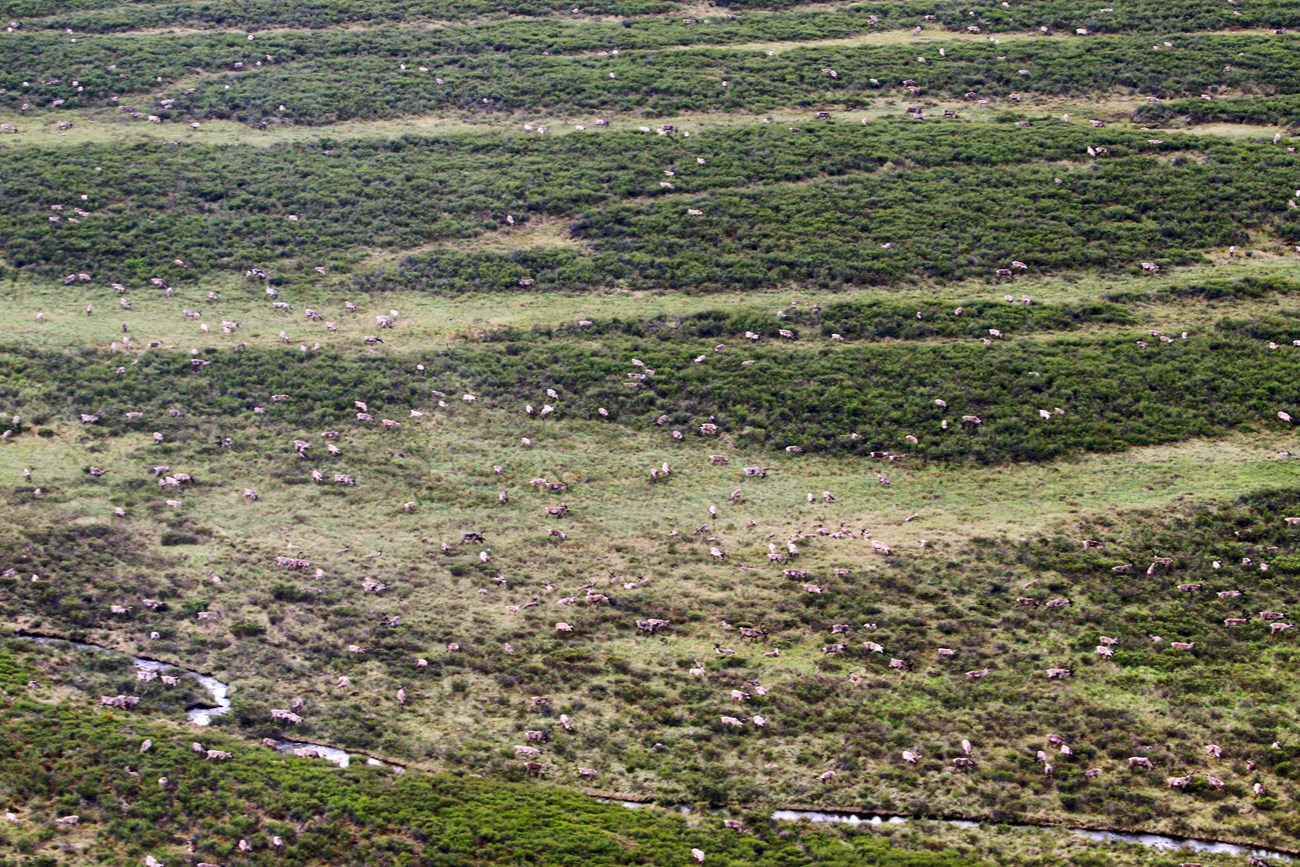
{"points": [[333, 755], [200, 715], [1153, 841], [220, 692]]}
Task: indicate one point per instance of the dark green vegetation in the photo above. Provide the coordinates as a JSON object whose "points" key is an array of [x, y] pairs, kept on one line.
{"points": [[1282, 110], [715, 80], [852, 320], [746, 239], [325, 77], [731, 21], [1114, 392], [813, 207], [326, 372], [1215, 290]]}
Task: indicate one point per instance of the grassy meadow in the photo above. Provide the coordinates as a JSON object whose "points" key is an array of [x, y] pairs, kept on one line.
{"points": [[734, 407]]}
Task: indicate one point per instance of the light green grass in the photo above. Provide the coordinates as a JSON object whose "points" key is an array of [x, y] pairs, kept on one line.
{"points": [[40, 128], [431, 320]]}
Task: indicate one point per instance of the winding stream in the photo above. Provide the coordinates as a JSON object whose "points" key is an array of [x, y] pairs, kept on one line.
{"points": [[203, 714], [220, 692], [200, 715], [1153, 841], [333, 755]]}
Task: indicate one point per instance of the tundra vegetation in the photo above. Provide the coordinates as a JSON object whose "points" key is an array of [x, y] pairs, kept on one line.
{"points": [[762, 405]]}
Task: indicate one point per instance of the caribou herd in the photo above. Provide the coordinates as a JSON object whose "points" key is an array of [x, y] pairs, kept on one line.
{"points": [[724, 547]]}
